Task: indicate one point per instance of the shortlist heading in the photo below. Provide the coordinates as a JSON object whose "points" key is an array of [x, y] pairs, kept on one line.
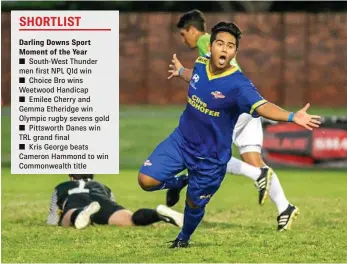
{"points": [[49, 21]]}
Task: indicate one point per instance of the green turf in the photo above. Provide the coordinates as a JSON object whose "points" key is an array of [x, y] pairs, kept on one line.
{"points": [[235, 228]]}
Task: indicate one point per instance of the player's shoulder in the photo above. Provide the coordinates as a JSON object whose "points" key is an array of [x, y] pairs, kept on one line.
{"points": [[94, 182], [202, 60], [205, 37], [97, 184], [204, 40], [63, 185], [241, 79], [236, 81]]}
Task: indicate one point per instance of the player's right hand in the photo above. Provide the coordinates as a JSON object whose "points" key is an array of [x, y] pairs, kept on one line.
{"points": [[174, 67]]}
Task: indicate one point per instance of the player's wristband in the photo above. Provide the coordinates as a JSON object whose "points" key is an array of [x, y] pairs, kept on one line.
{"points": [[180, 71], [291, 116]]}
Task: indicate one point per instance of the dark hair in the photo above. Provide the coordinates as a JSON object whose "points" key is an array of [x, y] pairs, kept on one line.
{"points": [[231, 28], [193, 18], [82, 176]]}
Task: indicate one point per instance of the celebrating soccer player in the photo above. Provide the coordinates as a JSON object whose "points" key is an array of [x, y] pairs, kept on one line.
{"points": [[247, 136], [218, 94]]}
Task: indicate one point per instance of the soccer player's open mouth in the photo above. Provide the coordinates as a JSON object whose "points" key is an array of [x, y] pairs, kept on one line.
{"points": [[222, 60]]}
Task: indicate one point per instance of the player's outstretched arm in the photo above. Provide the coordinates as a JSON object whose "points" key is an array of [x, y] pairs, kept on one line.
{"points": [[177, 70], [301, 117]]}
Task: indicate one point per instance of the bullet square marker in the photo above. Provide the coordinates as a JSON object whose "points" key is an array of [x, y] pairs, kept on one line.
{"points": [[21, 99], [21, 61], [21, 127], [21, 80], [21, 146]]}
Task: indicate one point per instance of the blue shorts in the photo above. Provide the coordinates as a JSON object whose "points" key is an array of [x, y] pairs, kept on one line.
{"points": [[170, 158]]}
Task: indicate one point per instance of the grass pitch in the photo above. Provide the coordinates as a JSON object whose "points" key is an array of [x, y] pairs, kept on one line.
{"points": [[235, 227]]}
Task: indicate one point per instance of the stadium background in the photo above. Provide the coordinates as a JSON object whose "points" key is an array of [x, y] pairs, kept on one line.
{"points": [[294, 52]]}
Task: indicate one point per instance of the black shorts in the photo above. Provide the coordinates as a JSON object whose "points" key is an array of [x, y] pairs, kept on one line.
{"points": [[107, 207]]}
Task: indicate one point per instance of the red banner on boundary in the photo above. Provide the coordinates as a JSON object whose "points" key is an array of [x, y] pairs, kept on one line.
{"points": [[287, 144]]}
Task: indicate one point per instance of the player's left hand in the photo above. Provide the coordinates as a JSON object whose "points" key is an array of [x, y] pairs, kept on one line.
{"points": [[302, 118], [174, 67]]}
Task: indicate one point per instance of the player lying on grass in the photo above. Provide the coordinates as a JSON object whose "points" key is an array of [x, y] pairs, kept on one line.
{"points": [[82, 201], [218, 94], [248, 132]]}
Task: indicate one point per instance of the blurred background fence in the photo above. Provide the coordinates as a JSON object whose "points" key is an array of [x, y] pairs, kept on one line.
{"points": [[292, 57], [294, 52]]}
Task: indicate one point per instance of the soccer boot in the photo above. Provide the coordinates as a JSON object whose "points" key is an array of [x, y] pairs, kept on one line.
{"points": [[178, 243], [173, 195], [263, 184], [286, 218], [83, 218], [170, 216]]}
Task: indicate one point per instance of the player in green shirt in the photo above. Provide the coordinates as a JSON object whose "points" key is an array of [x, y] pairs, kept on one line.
{"points": [[248, 133]]}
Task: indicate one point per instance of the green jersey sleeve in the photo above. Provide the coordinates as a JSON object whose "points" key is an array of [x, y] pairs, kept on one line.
{"points": [[203, 43], [234, 63]]}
